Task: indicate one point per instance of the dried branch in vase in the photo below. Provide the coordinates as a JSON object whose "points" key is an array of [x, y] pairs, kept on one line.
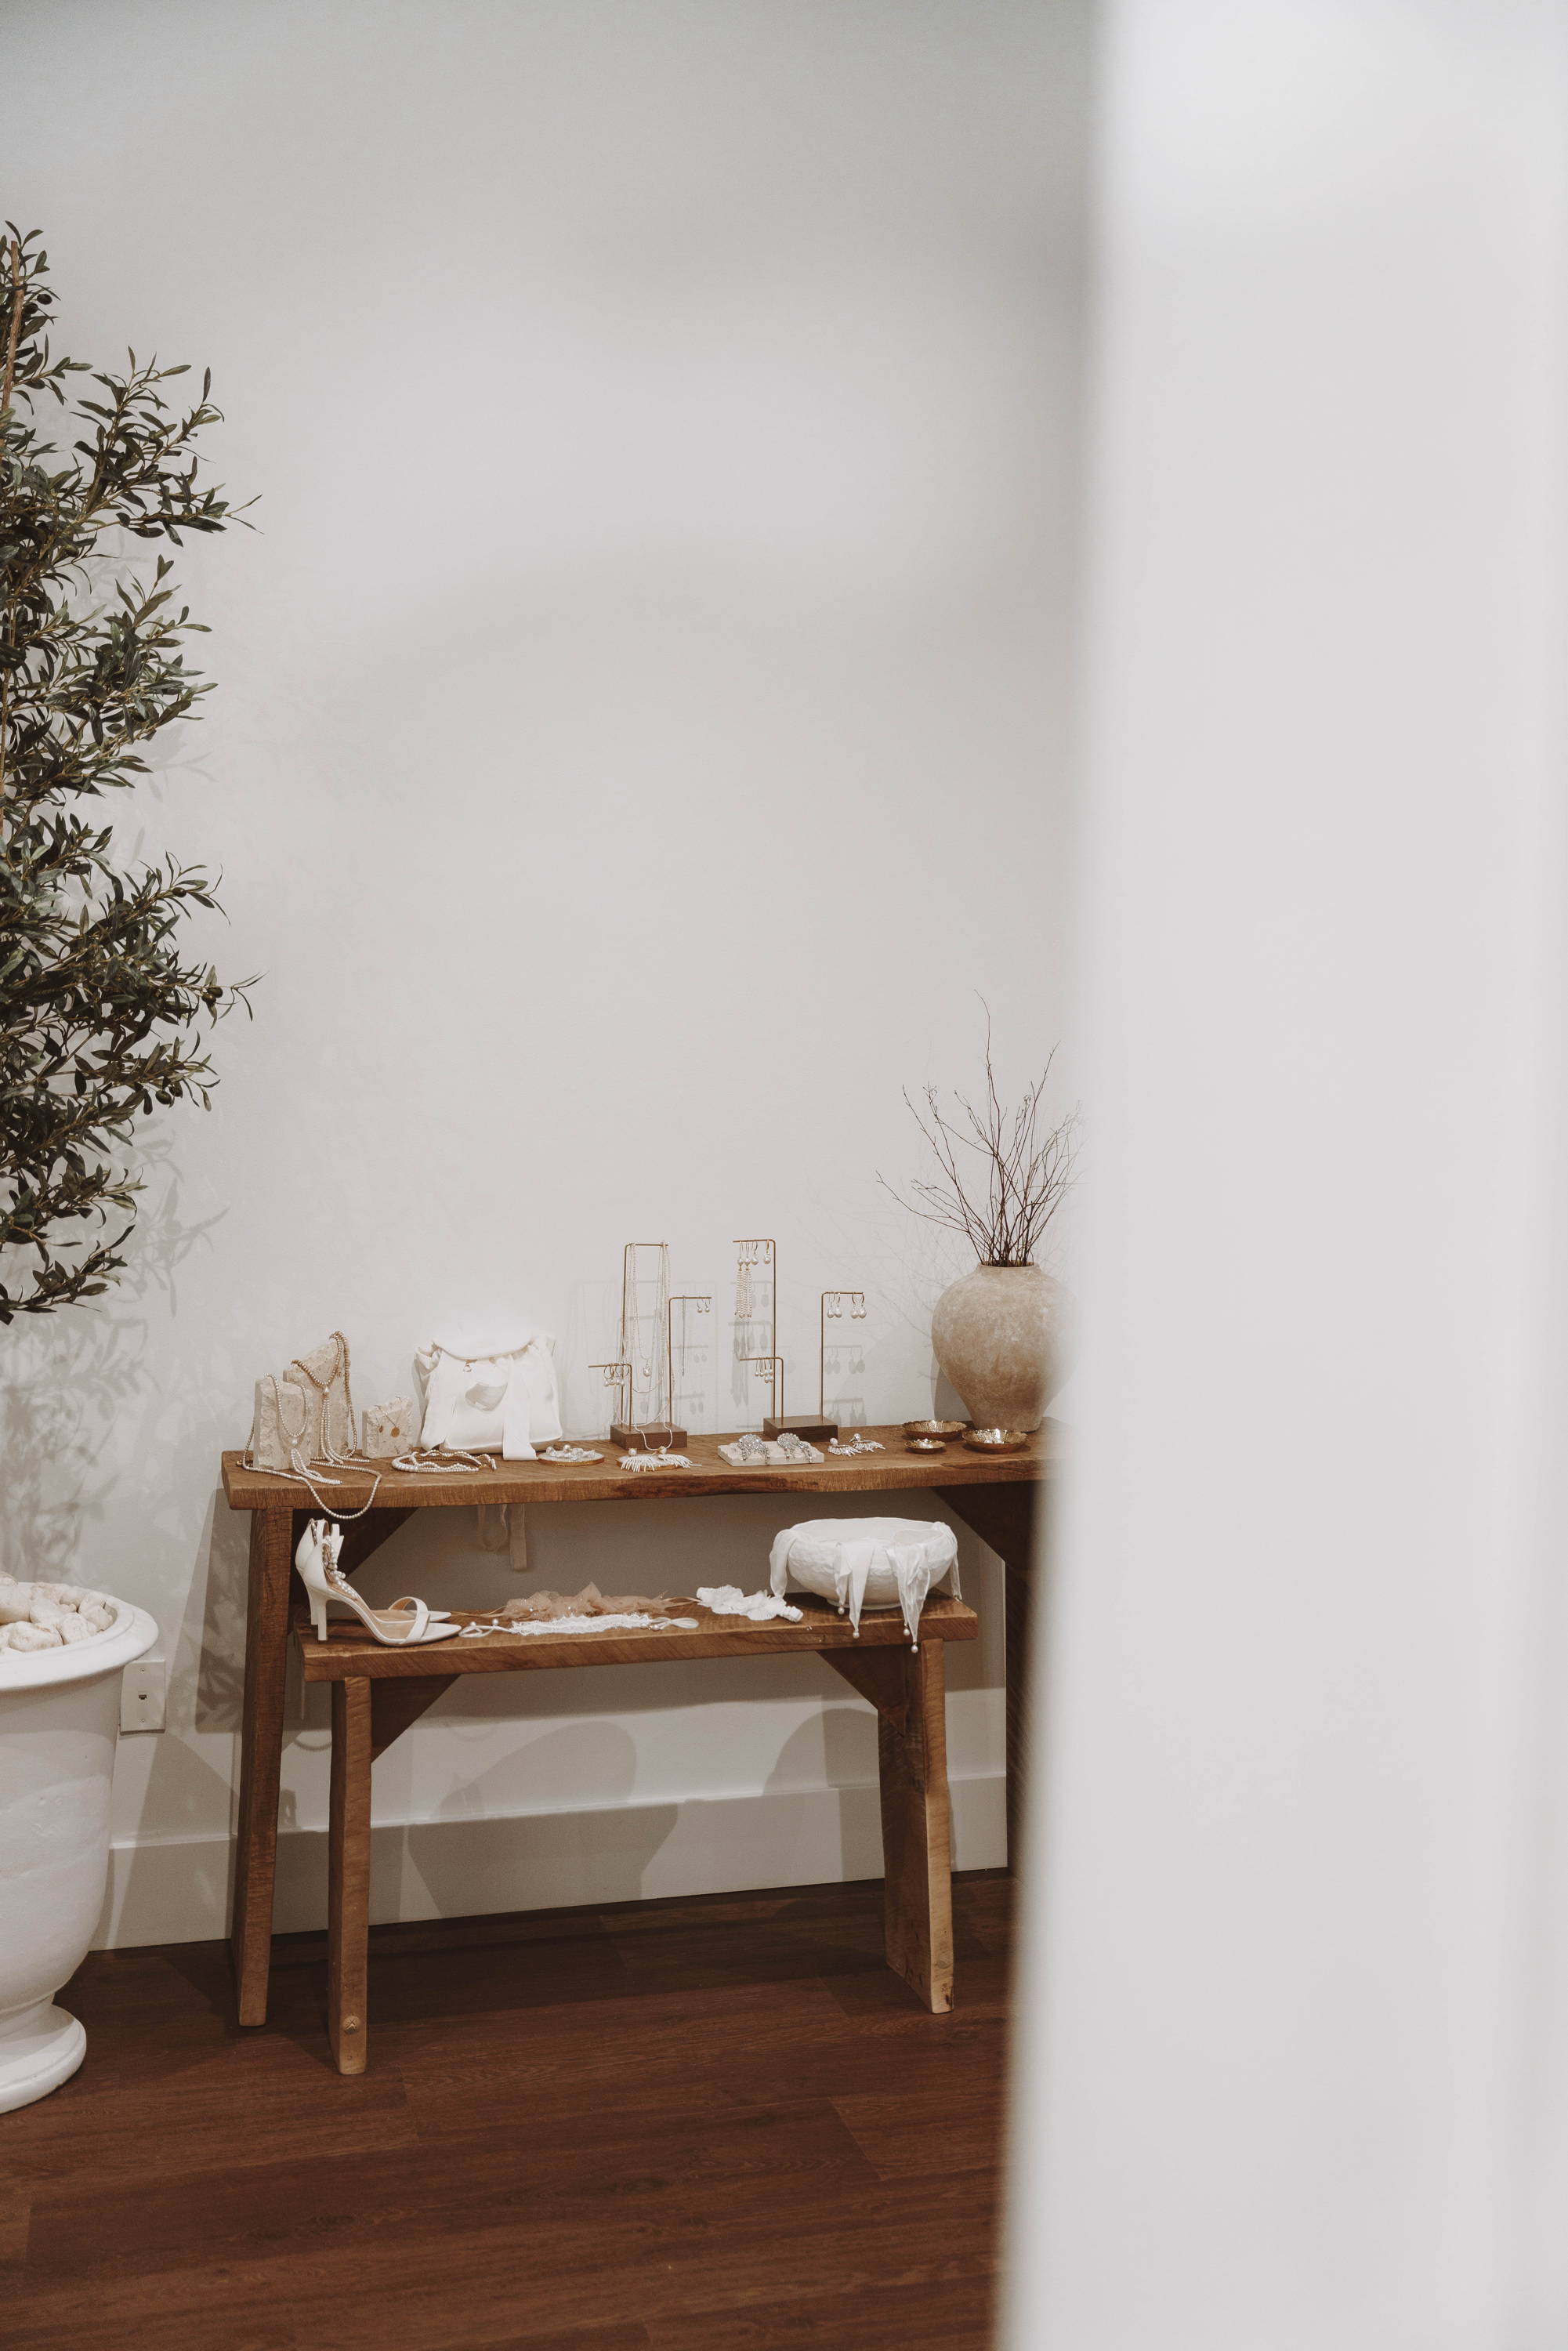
{"points": [[1000, 1180]]}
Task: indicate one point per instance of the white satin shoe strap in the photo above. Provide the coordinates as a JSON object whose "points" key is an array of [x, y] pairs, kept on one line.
{"points": [[417, 1613]]}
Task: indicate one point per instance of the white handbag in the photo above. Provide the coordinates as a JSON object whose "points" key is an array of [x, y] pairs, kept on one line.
{"points": [[504, 1403]]}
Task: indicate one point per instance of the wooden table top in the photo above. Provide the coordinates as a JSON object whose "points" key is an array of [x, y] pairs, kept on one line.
{"points": [[894, 1470], [349, 1655]]}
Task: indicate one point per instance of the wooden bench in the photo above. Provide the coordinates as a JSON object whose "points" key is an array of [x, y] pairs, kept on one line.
{"points": [[377, 1692]]}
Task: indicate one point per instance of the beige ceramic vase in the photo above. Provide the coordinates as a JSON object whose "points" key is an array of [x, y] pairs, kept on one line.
{"points": [[1004, 1335]]}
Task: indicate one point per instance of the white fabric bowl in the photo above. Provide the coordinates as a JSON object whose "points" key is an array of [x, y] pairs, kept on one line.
{"points": [[868, 1563]]}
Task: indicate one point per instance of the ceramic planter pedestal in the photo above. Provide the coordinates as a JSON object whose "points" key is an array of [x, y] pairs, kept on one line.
{"points": [[60, 1719]]}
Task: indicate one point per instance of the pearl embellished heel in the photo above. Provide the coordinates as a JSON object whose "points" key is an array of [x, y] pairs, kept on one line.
{"points": [[406, 1622]]}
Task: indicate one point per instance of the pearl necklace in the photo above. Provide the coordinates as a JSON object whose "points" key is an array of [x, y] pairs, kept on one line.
{"points": [[457, 1462]]}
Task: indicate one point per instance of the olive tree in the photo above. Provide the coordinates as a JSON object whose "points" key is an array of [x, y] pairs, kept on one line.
{"points": [[104, 1014]]}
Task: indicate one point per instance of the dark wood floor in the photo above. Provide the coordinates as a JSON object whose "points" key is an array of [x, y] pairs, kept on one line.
{"points": [[707, 2125]]}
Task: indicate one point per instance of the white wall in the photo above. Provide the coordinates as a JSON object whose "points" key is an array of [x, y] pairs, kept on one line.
{"points": [[1296, 1970], [639, 733]]}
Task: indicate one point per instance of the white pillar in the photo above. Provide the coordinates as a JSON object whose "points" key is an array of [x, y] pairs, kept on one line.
{"points": [[1293, 2072]]}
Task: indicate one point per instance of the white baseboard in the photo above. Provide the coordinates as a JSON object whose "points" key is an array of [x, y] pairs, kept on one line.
{"points": [[176, 1890]]}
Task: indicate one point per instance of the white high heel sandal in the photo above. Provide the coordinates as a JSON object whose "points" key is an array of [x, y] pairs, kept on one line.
{"points": [[405, 1623]]}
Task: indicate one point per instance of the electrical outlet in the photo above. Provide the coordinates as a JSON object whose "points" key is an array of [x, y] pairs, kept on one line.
{"points": [[142, 1695]]}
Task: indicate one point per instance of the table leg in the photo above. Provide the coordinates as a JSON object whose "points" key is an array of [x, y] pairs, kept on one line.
{"points": [[916, 1830], [1019, 1633], [908, 1689], [261, 1753], [1008, 1518], [349, 1874], [273, 1535]]}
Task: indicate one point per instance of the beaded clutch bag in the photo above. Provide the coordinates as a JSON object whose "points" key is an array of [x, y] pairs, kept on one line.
{"points": [[307, 1413]]}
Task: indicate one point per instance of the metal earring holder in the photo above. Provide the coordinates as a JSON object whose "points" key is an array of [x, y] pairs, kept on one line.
{"points": [[771, 1369], [617, 1376], [704, 1306], [628, 1433], [765, 1253], [770, 1366], [833, 1302]]}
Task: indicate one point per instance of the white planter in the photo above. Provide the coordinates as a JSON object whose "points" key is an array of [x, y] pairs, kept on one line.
{"points": [[60, 1719]]}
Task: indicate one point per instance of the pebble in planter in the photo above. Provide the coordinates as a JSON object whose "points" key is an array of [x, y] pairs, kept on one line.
{"points": [[50, 1615]]}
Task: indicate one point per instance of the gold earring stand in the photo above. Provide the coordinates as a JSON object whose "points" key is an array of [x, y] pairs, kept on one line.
{"points": [[656, 1437], [835, 1303], [704, 1306], [764, 1253]]}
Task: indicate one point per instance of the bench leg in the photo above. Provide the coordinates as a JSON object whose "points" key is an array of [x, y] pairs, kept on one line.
{"points": [[916, 1828], [261, 1753], [908, 1687], [348, 1868], [273, 1535]]}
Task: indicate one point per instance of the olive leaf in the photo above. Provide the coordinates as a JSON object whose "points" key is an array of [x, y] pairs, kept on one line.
{"points": [[102, 1019]]}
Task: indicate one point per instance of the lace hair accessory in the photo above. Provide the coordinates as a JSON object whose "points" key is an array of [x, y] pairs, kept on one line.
{"points": [[729, 1600], [505, 1404], [548, 1607], [588, 1610]]}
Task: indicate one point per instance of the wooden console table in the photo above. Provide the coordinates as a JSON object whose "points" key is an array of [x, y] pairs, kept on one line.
{"points": [[377, 1692], [994, 1494]]}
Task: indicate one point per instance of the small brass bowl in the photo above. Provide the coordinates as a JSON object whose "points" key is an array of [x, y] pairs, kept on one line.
{"points": [[935, 1428], [997, 1440], [926, 1444]]}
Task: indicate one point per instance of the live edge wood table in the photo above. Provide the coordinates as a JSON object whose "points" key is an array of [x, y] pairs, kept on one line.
{"points": [[995, 1494], [378, 1691]]}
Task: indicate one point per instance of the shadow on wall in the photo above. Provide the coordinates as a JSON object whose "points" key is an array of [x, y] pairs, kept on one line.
{"points": [[457, 1862], [72, 1383], [62, 1384], [479, 1855], [215, 1626], [838, 1747]]}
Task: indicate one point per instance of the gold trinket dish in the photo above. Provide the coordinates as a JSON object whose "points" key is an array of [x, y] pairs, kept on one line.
{"points": [[997, 1440], [935, 1428]]}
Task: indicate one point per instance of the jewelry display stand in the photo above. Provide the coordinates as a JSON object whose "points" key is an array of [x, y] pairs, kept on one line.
{"points": [[762, 1256], [704, 1305], [643, 1363], [835, 1304]]}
